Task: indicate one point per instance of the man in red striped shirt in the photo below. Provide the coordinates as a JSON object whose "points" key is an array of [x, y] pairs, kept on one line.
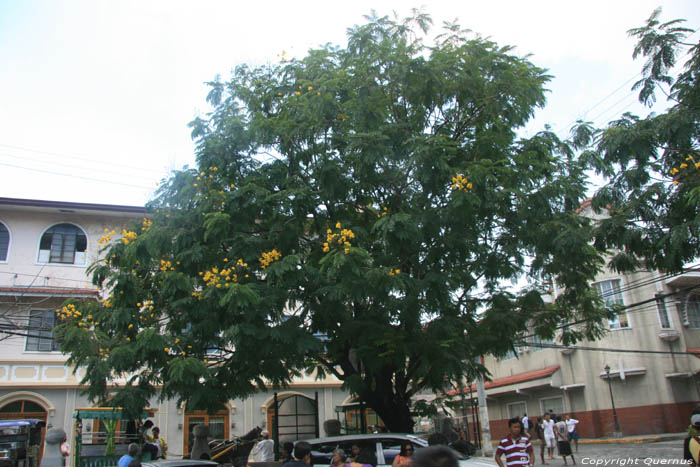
{"points": [[515, 446]]}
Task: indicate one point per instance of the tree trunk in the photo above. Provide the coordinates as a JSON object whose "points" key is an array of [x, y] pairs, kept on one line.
{"points": [[393, 410]]}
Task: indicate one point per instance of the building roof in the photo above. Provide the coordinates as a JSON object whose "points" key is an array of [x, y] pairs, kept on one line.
{"points": [[48, 291], [514, 379], [65, 206]]}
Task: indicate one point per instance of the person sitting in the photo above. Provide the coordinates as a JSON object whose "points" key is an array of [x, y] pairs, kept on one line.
{"points": [[131, 453], [159, 443], [366, 458], [264, 450], [302, 455], [338, 458], [404, 458]]}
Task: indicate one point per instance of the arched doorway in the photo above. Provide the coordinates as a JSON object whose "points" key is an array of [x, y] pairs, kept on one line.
{"points": [[218, 426], [22, 410], [298, 417]]}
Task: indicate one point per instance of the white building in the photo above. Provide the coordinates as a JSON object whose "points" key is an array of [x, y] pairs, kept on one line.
{"points": [[46, 248], [653, 392]]}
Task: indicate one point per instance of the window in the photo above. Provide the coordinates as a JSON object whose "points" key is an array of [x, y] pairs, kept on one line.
{"points": [[609, 291], [517, 409], [63, 244], [664, 319], [555, 404], [693, 311], [4, 242], [40, 331]]}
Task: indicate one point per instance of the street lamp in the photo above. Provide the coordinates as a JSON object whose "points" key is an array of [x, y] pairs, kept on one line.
{"points": [[612, 401]]}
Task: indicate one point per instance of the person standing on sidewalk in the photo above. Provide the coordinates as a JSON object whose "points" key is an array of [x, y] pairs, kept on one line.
{"points": [[573, 433], [563, 445], [526, 424], [516, 446], [539, 431], [549, 437]]}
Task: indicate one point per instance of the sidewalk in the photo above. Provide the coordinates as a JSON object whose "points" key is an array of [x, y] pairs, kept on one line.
{"points": [[637, 439]]}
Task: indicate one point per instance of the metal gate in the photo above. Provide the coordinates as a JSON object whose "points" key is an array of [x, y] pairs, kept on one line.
{"points": [[293, 418]]}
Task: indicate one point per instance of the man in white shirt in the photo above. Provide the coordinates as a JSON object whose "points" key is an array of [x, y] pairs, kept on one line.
{"points": [[549, 438], [573, 433], [526, 424], [264, 450]]}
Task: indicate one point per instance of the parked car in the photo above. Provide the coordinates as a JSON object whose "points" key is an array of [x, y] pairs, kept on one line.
{"points": [[387, 446]]}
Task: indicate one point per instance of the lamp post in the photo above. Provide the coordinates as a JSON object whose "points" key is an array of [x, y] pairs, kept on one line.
{"points": [[612, 401]]}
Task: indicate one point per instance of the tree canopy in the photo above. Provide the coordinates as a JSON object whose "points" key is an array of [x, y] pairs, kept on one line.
{"points": [[364, 212], [652, 164]]}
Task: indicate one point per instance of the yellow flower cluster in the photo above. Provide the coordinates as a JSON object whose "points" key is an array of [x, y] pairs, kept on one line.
{"points": [[341, 239], [146, 224], [684, 165], [69, 311], [460, 182], [222, 277], [269, 257], [128, 236], [384, 212], [146, 311], [107, 237], [394, 272], [166, 266]]}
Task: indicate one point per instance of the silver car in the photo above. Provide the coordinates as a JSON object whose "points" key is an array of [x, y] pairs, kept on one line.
{"points": [[387, 446]]}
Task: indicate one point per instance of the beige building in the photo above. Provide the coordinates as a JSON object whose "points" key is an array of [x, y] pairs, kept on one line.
{"points": [[46, 248], [653, 391]]}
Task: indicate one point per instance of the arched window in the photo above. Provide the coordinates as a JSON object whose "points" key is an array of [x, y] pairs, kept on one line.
{"points": [[4, 242], [63, 244]]}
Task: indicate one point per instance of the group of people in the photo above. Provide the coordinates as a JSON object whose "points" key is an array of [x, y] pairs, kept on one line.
{"points": [[432, 456], [153, 444], [551, 430]]}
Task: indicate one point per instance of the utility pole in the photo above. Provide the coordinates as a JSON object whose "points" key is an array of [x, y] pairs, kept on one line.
{"points": [[484, 416]]}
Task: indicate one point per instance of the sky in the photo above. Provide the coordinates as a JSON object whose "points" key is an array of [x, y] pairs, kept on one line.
{"points": [[96, 95]]}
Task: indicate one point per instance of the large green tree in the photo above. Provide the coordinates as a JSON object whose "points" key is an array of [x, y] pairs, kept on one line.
{"points": [[652, 164], [364, 212]]}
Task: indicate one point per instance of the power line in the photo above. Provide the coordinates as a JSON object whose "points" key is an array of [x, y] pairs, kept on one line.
{"points": [[76, 176], [79, 158], [604, 349], [63, 165], [624, 308]]}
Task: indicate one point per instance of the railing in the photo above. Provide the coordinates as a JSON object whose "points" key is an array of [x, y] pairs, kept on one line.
{"points": [[98, 461]]}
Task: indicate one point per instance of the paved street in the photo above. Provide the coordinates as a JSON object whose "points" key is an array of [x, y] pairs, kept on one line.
{"points": [[639, 452], [659, 453]]}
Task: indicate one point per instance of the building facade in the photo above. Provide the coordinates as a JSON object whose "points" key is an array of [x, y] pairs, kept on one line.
{"points": [[46, 248], [652, 391]]}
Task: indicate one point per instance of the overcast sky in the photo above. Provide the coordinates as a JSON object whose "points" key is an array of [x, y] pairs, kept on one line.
{"points": [[95, 95]]}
